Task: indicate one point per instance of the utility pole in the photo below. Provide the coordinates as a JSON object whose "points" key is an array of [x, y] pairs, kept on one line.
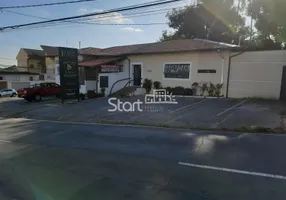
{"points": [[79, 44]]}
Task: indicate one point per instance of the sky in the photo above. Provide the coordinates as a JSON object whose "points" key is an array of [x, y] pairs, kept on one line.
{"points": [[69, 35]]}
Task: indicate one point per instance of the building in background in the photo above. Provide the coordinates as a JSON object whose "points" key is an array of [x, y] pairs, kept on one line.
{"points": [[242, 72], [31, 60], [17, 80]]}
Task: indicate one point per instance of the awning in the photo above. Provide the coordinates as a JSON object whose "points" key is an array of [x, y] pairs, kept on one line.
{"points": [[99, 62]]}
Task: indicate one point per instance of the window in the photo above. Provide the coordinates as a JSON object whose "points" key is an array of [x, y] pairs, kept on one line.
{"points": [[31, 78], [31, 66], [54, 85], [209, 71], [177, 71], [35, 86], [41, 77], [104, 82], [1, 78]]}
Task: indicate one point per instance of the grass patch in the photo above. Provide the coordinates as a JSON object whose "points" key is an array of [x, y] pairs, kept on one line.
{"points": [[255, 129], [261, 99]]}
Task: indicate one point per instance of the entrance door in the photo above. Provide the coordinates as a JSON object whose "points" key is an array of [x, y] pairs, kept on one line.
{"points": [[283, 85], [137, 75]]}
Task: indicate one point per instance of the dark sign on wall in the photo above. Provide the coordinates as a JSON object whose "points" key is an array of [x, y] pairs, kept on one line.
{"points": [[180, 71], [208, 71], [103, 81], [69, 74]]}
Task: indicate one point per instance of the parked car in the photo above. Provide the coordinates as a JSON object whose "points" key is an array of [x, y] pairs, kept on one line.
{"points": [[8, 93], [38, 91]]}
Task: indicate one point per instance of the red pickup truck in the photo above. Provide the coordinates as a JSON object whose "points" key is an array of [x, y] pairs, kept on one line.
{"points": [[38, 91]]}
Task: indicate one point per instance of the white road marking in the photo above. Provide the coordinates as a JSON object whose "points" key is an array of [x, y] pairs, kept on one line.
{"points": [[187, 106], [184, 113], [228, 109], [5, 141], [234, 171]]}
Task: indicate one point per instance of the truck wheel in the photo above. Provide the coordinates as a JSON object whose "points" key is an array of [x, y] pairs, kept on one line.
{"points": [[29, 99], [38, 97]]}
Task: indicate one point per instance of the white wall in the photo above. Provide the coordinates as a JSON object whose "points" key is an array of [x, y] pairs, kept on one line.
{"points": [[17, 85], [153, 67], [257, 74], [112, 78], [19, 77], [21, 84]]}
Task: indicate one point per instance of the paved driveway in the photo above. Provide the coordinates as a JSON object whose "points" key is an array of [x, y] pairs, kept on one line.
{"points": [[189, 112]]}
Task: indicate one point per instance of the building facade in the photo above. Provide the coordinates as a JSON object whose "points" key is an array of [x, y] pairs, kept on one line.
{"points": [[243, 73]]}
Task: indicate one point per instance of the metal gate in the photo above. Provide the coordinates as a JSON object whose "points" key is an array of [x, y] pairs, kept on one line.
{"points": [[283, 85]]}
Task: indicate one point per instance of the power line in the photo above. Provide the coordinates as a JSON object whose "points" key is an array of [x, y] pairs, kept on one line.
{"points": [[91, 23], [45, 4], [146, 5], [101, 18]]}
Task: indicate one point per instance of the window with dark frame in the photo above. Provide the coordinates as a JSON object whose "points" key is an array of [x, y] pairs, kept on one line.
{"points": [[207, 71], [103, 81], [177, 71], [31, 78], [31, 66], [1, 78]]}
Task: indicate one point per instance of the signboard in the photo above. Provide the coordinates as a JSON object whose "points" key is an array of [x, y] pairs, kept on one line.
{"points": [[69, 76], [110, 68], [181, 71]]}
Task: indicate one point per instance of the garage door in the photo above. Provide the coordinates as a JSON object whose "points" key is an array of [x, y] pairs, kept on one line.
{"points": [[18, 85], [256, 74], [3, 84]]}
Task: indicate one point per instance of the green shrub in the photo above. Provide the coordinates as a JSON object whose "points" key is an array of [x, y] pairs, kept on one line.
{"points": [[203, 87], [178, 90], [188, 92], [82, 96], [195, 87], [169, 90], [211, 89], [157, 85], [218, 88], [93, 95], [102, 90], [147, 85]]}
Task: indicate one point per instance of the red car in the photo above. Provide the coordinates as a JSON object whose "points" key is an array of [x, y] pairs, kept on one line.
{"points": [[38, 91]]}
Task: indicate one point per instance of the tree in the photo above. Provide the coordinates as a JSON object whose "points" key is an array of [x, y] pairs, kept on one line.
{"points": [[12, 68], [218, 20], [269, 17]]}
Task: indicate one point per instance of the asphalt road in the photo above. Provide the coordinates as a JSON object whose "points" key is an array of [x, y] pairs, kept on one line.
{"points": [[41, 160]]}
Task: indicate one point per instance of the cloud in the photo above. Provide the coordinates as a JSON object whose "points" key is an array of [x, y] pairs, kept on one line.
{"points": [[82, 11], [115, 17], [129, 29]]}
